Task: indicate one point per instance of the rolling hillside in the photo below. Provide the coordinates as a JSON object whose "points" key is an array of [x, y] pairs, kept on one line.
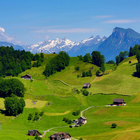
{"points": [[56, 97]]}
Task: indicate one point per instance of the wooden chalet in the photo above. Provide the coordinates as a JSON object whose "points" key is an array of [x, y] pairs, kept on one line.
{"points": [[27, 76], [33, 133], [60, 136], [119, 102], [82, 120], [86, 85]]}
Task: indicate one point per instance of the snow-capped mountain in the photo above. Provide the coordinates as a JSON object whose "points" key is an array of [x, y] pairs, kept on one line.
{"points": [[50, 46], [73, 48], [86, 46]]}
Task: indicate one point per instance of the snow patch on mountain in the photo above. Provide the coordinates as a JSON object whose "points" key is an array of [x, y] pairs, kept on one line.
{"points": [[64, 44]]}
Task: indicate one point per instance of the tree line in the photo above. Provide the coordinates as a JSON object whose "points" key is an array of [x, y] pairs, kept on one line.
{"points": [[132, 51], [57, 63], [95, 58], [13, 62], [123, 54]]}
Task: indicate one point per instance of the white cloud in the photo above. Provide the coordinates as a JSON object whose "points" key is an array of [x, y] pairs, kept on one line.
{"points": [[6, 37], [103, 16], [2, 29], [120, 21], [71, 30]]}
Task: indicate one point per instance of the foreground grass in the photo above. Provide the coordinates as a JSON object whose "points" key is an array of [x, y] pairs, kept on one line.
{"points": [[99, 117]]}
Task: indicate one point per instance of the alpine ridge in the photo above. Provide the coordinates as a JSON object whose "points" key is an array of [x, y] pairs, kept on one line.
{"points": [[71, 47], [120, 40]]}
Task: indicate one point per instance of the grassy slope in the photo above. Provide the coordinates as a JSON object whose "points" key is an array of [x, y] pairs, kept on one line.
{"points": [[99, 118], [120, 81]]}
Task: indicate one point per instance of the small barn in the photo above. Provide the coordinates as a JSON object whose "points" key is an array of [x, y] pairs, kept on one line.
{"points": [[60, 136], [27, 76], [86, 85], [82, 120], [119, 102], [33, 133]]}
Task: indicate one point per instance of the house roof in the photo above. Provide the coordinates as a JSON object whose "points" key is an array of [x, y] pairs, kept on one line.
{"points": [[33, 132], [86, 84], [27, 75], [61, 134], [83, 118], [118, 100]]}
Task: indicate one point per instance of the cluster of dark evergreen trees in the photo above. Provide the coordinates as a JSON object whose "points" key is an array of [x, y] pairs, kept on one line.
{"points": [[13, 62], [57, 63]]}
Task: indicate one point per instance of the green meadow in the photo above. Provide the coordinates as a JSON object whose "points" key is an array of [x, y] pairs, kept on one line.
{"points": [[55, 96]]}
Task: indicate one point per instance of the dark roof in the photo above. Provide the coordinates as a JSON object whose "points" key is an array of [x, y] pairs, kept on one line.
{"points": [[83, 118], [33, 132], [61, 135], [118, 100], [27, 75], [86, 84]]}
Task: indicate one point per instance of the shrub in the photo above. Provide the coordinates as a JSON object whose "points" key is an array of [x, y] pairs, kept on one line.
{"points": [[41, 113], [36, 118], [114, 125], [77, 68], [85, 92], [97, 72], [75, 113], [36, 113], [30, 116]]}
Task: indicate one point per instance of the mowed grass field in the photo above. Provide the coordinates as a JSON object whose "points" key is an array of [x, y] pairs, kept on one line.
{"points": [[57, 90]]}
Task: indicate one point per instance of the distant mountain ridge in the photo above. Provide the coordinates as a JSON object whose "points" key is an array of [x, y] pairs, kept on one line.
{"points": [[16, 47], [72, 48], [120, 40]]}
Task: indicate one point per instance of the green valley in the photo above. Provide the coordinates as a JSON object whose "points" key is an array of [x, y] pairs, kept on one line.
{"points": [[57, 97]]}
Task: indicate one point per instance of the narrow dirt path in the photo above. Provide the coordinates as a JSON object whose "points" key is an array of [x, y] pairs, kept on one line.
{"points": [[68, 125], [93, 80], [63, 82]]}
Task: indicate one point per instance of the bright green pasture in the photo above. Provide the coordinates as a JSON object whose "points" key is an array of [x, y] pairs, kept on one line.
{"points": [[109, 66], [57, 90], [99, 117], [1, 103], [120, 81], [69, 74]]}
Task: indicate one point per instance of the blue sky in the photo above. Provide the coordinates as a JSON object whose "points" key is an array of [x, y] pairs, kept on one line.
{"points": [[32, 21]]}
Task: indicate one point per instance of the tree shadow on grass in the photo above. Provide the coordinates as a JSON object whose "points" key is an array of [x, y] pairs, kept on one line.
{"points": [[133, 64], [4, 112], [135, 74]]}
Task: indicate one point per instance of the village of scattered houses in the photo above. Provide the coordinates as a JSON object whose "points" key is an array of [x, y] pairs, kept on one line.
{"points": [[82, 120]]}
